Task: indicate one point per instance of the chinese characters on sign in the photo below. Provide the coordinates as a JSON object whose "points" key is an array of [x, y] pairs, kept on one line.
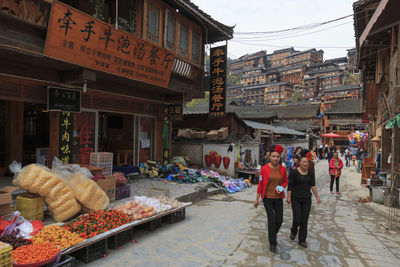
{"points": [[61, 99], [84, 136], [76, 37], [218, 63], [66, 125], [175, 112]]}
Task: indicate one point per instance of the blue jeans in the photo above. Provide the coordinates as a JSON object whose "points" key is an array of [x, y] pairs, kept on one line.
{"points": [[359, 165]]}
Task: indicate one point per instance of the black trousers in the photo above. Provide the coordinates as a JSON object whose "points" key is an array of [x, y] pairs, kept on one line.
{"points": [[337, 183], [301, 211], [274, 208]]}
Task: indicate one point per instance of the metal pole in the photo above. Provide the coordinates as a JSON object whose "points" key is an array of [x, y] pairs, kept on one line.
{"points": [[116, 14]]}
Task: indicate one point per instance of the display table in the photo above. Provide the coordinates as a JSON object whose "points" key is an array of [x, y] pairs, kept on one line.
{"points": [[253, 173], [122, 228]]}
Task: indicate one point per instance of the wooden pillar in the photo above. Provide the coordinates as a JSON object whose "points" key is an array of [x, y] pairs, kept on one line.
{"points": [[14, 131], [54, 128]]}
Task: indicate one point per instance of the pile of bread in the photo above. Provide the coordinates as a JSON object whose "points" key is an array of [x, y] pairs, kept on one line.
{"points": [[64, 197]]}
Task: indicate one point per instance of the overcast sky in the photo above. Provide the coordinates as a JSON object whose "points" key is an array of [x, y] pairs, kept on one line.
{"points": [[272, 15]]}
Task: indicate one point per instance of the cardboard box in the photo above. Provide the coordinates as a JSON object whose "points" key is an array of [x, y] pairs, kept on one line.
{"points": [[199, 134], [108, 185], [6, 199], [212, 135], [185, 133], [223, 133]]}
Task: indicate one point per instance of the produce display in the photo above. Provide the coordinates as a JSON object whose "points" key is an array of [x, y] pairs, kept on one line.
{"points": [[97, 222], [58, 195], [35, 253], [119, 178], [169, 201], [57, 235], [136, 210], [14, 241], [88, 193], [152, 202]]}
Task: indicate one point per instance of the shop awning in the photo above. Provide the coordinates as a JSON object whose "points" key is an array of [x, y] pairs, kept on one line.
{"points": [[395, 122], [386, 15]]}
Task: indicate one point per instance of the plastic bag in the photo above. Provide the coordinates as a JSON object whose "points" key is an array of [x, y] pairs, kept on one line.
{"points": [[85, 190], [19, 227], [38, 179]]}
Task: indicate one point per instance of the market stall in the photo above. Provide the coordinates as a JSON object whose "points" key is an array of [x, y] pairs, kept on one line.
{"points": [[88, 224]]}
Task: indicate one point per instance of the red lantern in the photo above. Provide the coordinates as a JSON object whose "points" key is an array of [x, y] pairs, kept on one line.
{"points": [[218, 159], [226, 161], [207, 159]]}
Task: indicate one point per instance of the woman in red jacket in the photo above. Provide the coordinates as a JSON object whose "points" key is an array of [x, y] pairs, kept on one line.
{"points": [[335, 170], [273, 179]]}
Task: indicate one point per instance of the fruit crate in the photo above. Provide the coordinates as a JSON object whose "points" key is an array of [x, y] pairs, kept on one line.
{"points": [[120, 239], [92, 252], [175, 217], [103, 160], [65, 261], [5, 255], [151, 225]]}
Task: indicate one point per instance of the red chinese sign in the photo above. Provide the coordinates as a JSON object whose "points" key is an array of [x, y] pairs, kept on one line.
{"points": [[84, 136], [218, 63], [76, 37]]}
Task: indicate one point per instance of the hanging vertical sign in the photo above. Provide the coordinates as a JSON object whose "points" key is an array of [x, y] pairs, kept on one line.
{"points": [[66, 125], [84, 136], [218, 63]]}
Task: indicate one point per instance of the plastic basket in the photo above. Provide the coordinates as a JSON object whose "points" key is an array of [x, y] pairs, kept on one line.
{"points": [[92, 252], [31, 206], [120, 239], [122, 191], [5, 255], [65, 261], [151, 225], [175, 217], [103, 160]]}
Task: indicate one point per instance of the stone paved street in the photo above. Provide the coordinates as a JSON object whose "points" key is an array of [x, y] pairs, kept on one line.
{"points": [[228, 231]]}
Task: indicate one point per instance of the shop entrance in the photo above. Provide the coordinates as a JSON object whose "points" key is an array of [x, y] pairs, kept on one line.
{"points": [[36, 134], [117, 135]]}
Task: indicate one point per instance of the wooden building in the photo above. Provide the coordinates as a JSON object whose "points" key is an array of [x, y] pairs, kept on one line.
{"points": [[277, 93], [121, 64], [377, 28], [351, 91]]}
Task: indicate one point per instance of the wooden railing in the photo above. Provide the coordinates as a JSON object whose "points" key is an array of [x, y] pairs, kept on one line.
{"points": [[33, 11]]}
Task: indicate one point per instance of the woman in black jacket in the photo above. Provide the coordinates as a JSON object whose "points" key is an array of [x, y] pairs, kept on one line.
{"points": [[301, 180]]}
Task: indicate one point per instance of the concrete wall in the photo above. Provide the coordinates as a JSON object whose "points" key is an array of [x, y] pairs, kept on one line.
{"points": [[193, 151]]}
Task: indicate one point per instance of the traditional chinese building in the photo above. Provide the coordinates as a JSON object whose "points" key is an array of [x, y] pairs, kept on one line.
{"points": [[377, 31], [277, 93], [77, 78], [351, 91]]}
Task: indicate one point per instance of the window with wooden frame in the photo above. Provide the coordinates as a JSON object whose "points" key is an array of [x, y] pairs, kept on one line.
{"points": [[153, 22], [183, 50], [196, 47], [170, 28]]}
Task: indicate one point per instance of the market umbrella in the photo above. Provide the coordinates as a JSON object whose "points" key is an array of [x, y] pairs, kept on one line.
{"points": [[395, 122], [331, 135]]}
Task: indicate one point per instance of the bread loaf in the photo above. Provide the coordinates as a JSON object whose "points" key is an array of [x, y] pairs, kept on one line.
{"points": [[57, 194], [87, 192]]}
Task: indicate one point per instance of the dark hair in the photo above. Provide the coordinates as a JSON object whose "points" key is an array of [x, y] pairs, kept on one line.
{"points": [[303, 153]]}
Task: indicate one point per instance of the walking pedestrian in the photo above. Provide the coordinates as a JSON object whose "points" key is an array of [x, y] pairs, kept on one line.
{"points": [[359, 157], [273, 179], [335, 170], [320, 152], [347, 157], [326, 151], [301, 181]]}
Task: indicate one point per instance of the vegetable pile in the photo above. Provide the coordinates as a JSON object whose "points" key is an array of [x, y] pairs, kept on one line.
{"points": [[97, 222], [58, 236], [35, 253], [14, 241]]}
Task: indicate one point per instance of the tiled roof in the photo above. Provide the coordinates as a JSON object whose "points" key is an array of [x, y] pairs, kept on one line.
{"points": [[293, 111], [300, 125], [290, 49], [346, 122], [324, 70], [273, 129], [343, 88], [216, 30], [347, 106]]}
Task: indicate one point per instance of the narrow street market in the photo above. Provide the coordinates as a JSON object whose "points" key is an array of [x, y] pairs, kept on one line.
{"points": [[199, 133]]}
